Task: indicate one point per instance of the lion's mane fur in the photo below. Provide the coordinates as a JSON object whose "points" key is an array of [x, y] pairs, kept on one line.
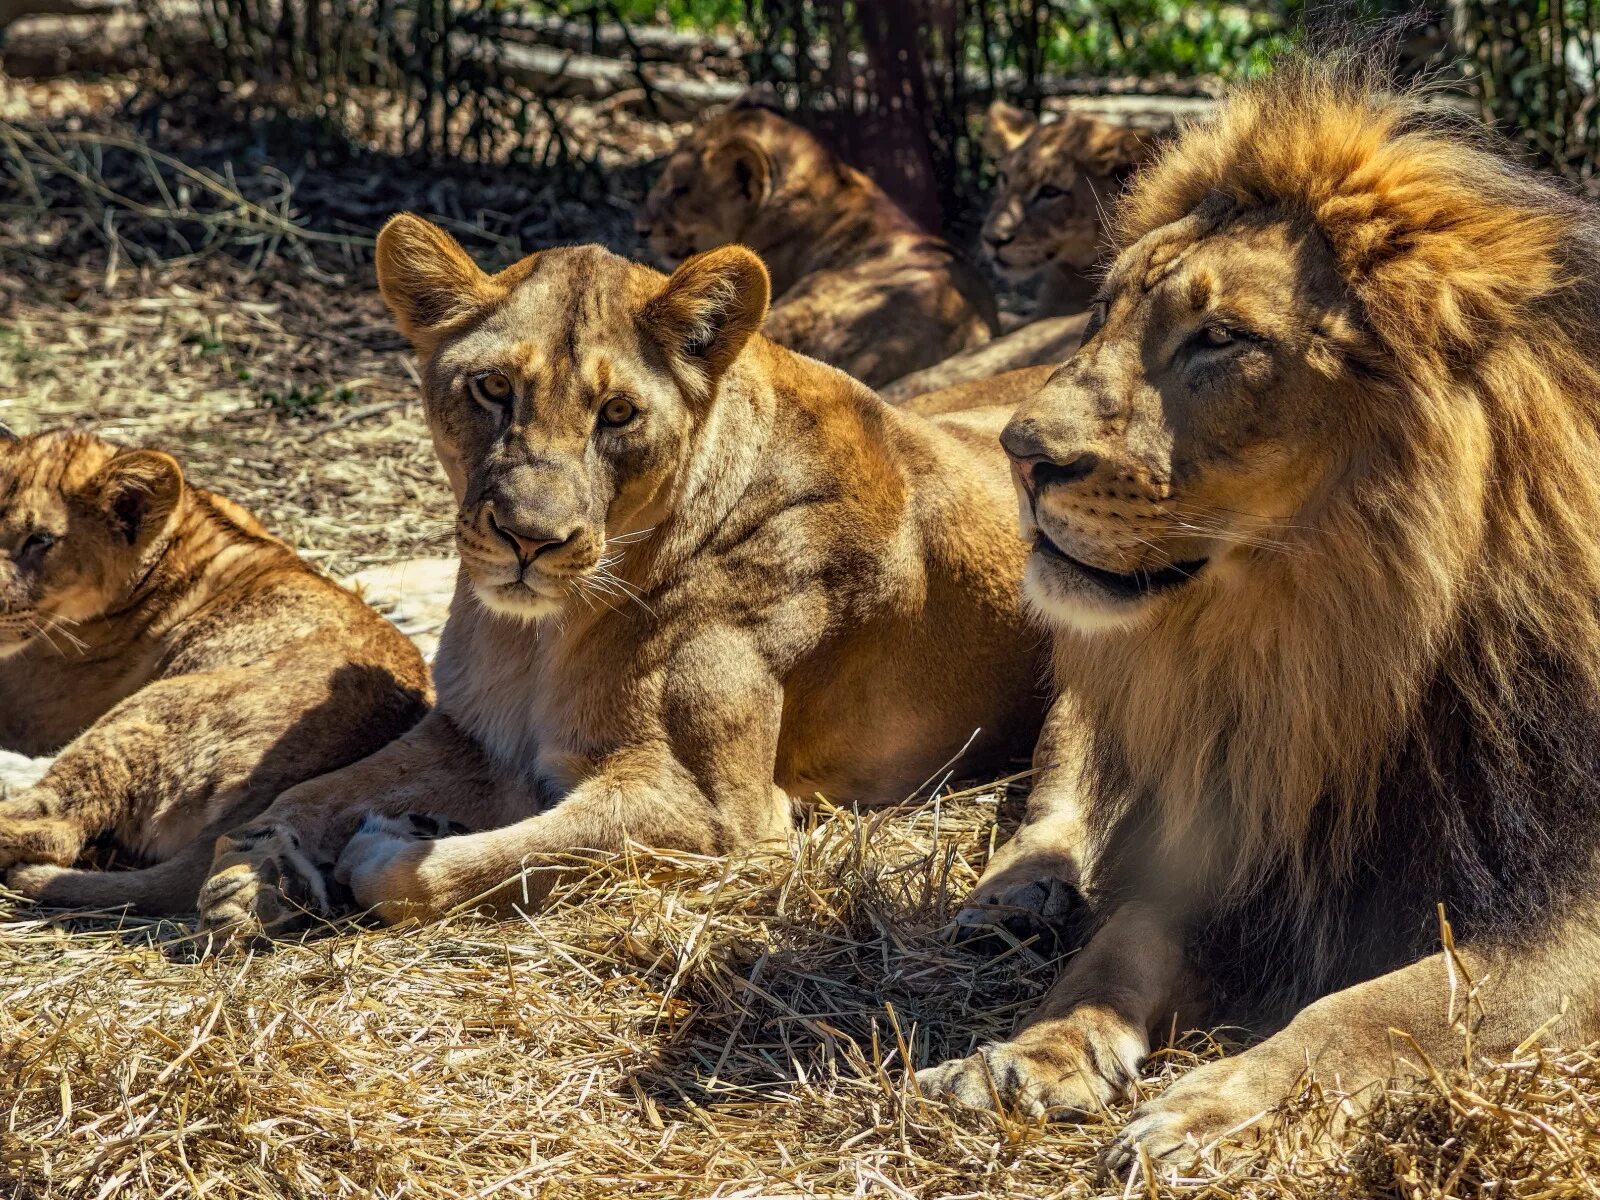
{"points": [[1405, 711]]}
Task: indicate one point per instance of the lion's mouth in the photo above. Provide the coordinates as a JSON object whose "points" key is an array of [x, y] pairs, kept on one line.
{"points": [[1131, 585]]}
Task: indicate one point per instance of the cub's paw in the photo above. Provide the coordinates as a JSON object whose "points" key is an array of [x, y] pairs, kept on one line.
{"points": [[382, 863], [262, 884], [1077, 1066], [1027, 892], [29, 838], [33, 880], [1209, 1112]]}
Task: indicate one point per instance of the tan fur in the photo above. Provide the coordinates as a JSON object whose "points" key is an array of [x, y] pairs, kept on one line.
{"points": [[1328, 466], [856, 282], [186, 666], [764, 583], [1002, 365], [1055, 183]]}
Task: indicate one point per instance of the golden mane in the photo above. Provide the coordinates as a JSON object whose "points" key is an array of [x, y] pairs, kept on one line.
{"points": [[1431, 642]]}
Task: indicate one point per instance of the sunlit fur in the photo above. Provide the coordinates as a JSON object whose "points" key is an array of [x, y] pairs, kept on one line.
{"points": [[1419, 661]]}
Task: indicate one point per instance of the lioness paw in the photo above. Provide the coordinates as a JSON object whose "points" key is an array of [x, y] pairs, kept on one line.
{"points": [[262, 884], [1068, 1068], [381, 864]]}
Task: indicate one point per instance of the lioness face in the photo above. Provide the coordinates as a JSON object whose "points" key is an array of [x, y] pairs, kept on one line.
{"points": [[76, 518], [1053, 183], [1173, 454], [709, 190], [563, 395]]}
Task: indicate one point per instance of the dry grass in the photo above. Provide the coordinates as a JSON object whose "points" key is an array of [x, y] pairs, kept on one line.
{"points": [[669, 1026]]}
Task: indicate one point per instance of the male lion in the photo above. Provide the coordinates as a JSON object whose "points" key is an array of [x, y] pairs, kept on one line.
{"points": [[856, 282], [186, 665], [1316, 517], [700, 574]]}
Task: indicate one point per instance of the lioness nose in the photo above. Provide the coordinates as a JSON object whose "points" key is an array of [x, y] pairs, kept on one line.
{"points": [[1038, 470], [643, 229], [997, 241], [527, 546]]}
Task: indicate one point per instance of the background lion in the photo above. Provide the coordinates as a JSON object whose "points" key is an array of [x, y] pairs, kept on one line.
{"points": [[700, 574], [186, 665], [855, 281], [1316, 518]]}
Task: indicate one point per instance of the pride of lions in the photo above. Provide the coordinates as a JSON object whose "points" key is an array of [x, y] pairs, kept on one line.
{"points": [[1303, 627]]}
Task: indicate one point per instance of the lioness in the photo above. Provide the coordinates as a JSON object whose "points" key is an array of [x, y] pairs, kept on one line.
{"points": [[1055, 181], [187, 666], [1316, 518], [700, 574], [856, 282]]}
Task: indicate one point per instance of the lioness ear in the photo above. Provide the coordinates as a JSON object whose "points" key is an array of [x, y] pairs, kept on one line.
{"points": [[138, 490], [710, 307], [1005, 127], [750, 167], [427, 279]]}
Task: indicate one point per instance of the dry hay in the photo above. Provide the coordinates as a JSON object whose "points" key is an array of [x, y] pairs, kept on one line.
{"points": [[669, 1026]]}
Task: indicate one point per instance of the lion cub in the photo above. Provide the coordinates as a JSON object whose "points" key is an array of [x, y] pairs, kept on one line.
{"points": [[700, 574], [186, 666], [856, 282]]}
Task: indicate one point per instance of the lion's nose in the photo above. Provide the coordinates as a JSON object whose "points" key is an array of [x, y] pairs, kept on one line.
{"points": [[527, 546], [996, 241]]}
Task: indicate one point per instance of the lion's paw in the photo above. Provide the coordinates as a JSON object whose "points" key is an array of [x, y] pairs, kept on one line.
{"points": [[1080, 1065], [1026, 893], [381, 864], [262, 884], [1193, 1117]]}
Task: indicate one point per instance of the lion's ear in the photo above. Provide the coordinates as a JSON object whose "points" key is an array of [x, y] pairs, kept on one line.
{"points": [[710, 307], [749, 166], [138, 490], [428, 281], [1005, 127]]}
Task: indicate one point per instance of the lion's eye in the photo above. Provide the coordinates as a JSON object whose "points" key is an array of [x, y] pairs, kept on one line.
{"points": [[1217, 336], [1049, 192], [617, 411], [492, 389], [35, 545]]}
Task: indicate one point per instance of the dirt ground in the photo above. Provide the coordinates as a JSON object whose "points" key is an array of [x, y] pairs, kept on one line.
{"points": [[671, 1026]]}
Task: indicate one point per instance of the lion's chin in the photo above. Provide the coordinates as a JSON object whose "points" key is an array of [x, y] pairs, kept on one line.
{"points": [[516, 601], [1074, 594]]}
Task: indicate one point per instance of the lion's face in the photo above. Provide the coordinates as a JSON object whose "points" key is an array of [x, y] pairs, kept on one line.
{"points": [[76, 517], [1169, 456], [711, 187], [1054, 182], [563, 397]]}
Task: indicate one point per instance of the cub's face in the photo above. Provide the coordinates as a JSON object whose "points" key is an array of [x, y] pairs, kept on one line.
{"points": [[1053, 185], [711, 187], [76, 518], [1177, 453], [564, 396]]}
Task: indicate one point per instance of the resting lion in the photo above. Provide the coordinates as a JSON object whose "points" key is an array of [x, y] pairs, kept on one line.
{"points": [[856, 282], [186, 665], [1316, 518], [1055, 181], [700, 574]]}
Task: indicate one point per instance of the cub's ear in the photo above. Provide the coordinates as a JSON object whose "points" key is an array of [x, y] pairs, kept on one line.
{"points": [[749, 166], [1005, 127], [428, 281], [138, 490], [709, 308]]}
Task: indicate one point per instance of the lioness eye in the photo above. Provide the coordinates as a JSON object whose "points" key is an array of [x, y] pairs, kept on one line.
{"points": [[618, 410], [35, 545], [1217, 335], [492, 389], [1049, 192]]}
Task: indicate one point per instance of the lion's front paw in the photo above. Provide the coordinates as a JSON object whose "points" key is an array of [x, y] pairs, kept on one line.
{"points": [[262, 884], [1027, 890], [1081, 1064], [1210, 1105], [382, 864]]}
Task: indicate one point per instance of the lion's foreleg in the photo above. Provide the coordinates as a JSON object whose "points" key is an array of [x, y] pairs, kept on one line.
{"points": [[1082, 1048], [1412, 1021]]}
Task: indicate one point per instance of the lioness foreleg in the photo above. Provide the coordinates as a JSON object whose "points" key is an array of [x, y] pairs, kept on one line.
{"points": [[1082, 1048], [272, 875], [1354, 1039]]}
